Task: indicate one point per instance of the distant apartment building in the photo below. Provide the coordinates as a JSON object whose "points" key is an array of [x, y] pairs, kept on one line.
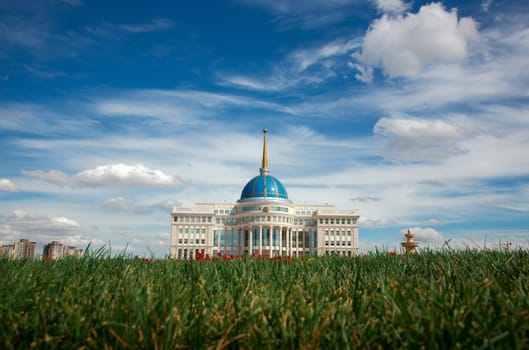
{"points": [[56, 250], [24, 249]]}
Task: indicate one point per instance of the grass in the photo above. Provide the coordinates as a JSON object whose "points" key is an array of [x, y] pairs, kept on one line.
{"points": [[470, 299]]}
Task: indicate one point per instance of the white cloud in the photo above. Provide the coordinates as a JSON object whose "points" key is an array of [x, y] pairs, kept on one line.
{"points": [[404, 45], [7, 185], [391, 6], [122, 175], [420, 139]]}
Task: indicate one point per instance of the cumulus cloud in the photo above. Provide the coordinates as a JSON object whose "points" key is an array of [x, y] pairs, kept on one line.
{"points": [[7, 185], [122, 175], [420, 139], [404, 45], [427, 235]]}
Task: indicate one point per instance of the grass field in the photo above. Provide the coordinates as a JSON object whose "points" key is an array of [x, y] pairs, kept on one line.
{"points": [[445, 300]]}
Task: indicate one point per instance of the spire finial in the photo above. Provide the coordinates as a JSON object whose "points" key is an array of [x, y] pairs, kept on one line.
{"points": [[264, 166]]}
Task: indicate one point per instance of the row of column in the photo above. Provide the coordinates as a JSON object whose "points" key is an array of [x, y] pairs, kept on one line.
{"points": [[247, 246]]}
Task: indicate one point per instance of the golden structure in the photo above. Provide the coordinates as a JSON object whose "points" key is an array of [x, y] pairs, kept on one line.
{"points": [[410, 244]]}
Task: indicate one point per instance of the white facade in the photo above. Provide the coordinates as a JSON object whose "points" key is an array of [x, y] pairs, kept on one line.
{"points": [[263, 222]]}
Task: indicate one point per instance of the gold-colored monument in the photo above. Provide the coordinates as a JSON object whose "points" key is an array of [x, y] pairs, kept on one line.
{"points": [[410, 244]]}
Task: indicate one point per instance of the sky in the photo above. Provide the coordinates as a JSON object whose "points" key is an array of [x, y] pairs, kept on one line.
{"points": [[415, 114]]}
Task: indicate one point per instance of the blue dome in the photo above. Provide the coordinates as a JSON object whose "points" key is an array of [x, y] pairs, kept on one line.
{"points": [[264, 186]]}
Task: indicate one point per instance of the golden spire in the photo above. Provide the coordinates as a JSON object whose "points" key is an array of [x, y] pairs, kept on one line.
{"points": [[265, 159], [264, 166]]}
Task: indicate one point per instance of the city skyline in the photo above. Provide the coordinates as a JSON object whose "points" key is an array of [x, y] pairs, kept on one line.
{"points": [[413, 113]]}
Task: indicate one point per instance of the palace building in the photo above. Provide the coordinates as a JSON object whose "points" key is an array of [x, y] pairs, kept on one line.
{"points": [[264, 222]]}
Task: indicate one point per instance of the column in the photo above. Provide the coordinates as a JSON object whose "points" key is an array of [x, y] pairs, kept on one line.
{"points": [[260, 240], [238, 241], [288, 241], [270, 238], [305, 242], [250, 239], [296, 242], [281, 241]]}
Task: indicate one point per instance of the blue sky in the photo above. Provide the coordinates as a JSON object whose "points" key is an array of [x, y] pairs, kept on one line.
{"points": [[414, 113]]}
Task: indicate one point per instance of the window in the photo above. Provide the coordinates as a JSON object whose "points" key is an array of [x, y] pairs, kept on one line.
{"points": [[215, 211], [348, 221], [192, 219], [251, 208], [185, 241], [186, 218], [343, 221], [321, 221], [280, 209], [180, 230], [209, 218], [186, 230], [332, 221], [326, 220], [176, 219], [180, 241], [203, 241]]}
